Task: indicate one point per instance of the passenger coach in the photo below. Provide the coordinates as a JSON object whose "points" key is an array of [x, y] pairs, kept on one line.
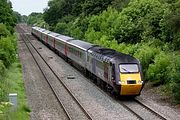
{"points": [[117, 72]]}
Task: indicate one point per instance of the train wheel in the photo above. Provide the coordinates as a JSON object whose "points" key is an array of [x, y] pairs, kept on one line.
{"points": [[103, 85], [98, 82], [94, 79], [87, 73]]}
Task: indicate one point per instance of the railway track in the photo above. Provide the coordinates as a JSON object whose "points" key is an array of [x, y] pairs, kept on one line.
{"points": [[26, 39], [150, 110], [138, 109], [127, 104], [141, 111]]}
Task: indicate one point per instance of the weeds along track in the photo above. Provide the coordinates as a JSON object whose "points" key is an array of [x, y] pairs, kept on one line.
{"points": [[81, 112]]}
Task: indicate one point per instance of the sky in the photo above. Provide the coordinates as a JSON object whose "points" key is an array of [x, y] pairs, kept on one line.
{"points": [[26, 7]]}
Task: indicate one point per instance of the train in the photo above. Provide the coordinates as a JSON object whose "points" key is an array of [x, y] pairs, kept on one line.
{"points": [[116, 72]]}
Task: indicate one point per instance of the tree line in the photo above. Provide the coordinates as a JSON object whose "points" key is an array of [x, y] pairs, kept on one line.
{"points": [[146, 29], [8, 44]]}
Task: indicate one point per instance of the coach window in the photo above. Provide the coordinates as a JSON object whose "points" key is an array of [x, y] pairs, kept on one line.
{"points": [[99, 64]]}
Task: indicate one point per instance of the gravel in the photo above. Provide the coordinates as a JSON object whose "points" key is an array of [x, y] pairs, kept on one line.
{"points": [[99, 105], [164, 110], [70, 105], [41, 100], [95, 102], [140, 110]]}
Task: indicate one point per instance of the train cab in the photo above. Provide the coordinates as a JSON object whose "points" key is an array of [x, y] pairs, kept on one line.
{"points": [[128, 75], [120, 71]]}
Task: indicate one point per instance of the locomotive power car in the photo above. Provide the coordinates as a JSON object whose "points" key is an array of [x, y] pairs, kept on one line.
{"points": [[117, 72]]}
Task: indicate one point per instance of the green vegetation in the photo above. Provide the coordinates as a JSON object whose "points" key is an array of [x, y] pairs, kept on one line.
{"points": [[20, 18], [6, 15], [37, 19], [146, 29], [13, 83], [10, 68]]}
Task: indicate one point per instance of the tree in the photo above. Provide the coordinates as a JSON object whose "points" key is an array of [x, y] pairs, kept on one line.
{"points": [[18, 17], [6, 15], [56, 10], [34, 17], [4, 32], [95, 6], [120, 4], [144, 20], [172, 25]]}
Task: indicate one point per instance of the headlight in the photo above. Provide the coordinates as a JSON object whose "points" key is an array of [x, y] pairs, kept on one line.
{"points": [[121, 82], [140, 82]]}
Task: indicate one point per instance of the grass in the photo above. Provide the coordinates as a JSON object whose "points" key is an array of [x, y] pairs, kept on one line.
{"points": [[13, 83]]}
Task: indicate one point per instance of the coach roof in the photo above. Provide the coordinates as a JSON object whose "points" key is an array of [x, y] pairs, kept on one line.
{"points": [[81, 44], [53, 34], [64, 38], [113, 55]]}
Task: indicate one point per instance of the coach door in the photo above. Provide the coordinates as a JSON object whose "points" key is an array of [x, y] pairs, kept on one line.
{"points": [[65, 49], [94, 65], [47, 39], [54, 44], [106, 71]]}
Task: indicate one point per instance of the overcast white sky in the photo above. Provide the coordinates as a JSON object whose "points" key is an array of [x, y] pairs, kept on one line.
{"points": [[26, 7]]}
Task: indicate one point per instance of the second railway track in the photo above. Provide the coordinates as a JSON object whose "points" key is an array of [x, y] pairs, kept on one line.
{"points": [[142, 111], [79, 111], [136, 108]]}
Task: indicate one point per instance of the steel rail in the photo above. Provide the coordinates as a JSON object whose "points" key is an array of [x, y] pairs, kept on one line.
{"points": [[55, 94], [150, 110], [121, 103], [65, 86], [125, 106]]}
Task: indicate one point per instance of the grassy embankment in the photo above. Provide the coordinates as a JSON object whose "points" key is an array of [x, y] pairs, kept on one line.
{"points": [[11, 81]]}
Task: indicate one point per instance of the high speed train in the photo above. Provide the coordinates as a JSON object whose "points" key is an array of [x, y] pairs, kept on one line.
{"points": [[117, 72]]}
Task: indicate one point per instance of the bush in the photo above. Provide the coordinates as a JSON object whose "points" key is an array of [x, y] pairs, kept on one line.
{"points": [[173, 77], [4, 32], [175, 86], [157, 72], [91, 35], [2, 69], [78, 27], [102, 24], [146, 15], [61, 28], [146, 55], [7, 50]]}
